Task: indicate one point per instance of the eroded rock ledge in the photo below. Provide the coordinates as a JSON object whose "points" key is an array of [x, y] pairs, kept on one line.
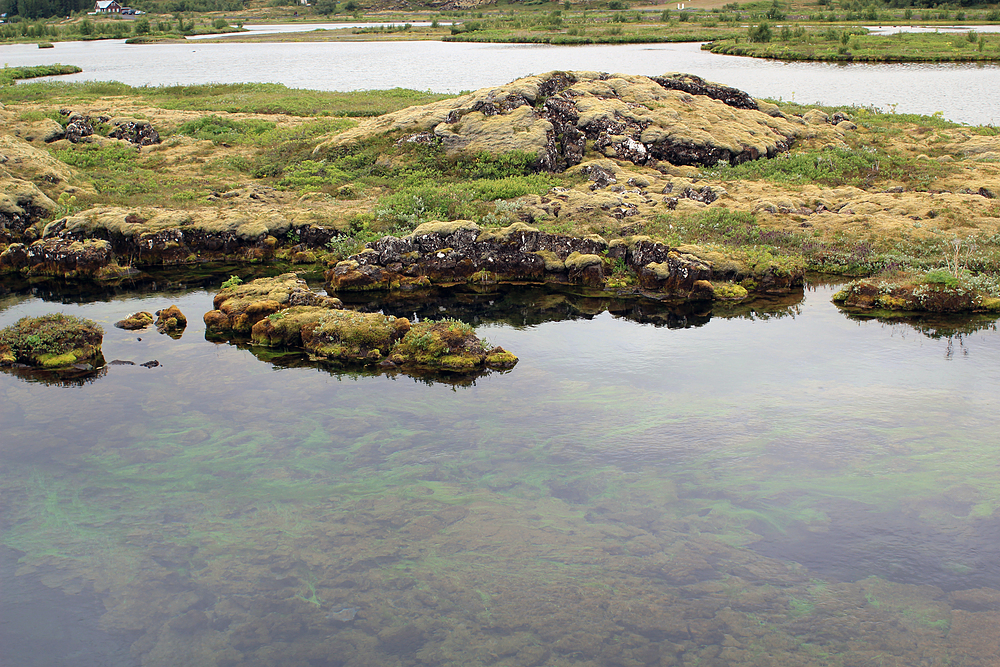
{"points": [[284, 312], [460, 251], [676, 118]]}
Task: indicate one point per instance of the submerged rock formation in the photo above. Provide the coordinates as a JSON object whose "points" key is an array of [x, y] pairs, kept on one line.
{"points": [[284, 312], [460, 251], [676, 118]]}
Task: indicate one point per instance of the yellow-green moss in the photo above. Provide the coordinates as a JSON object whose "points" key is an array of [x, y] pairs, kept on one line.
{"points": [[729, 291], [552, 261]]}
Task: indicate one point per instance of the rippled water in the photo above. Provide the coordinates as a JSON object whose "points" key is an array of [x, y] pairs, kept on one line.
{"points": [[968, 93], [776, 485]]}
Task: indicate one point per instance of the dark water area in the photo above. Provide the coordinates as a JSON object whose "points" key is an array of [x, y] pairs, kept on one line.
{"points": [[653, 484]]}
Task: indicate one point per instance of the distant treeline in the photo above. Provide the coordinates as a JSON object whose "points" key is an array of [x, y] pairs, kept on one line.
{"points": [[41, 9], [37, 9]]}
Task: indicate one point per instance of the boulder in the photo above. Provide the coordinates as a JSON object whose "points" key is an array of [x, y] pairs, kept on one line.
{"points": [[78, 128], [138, 132]]}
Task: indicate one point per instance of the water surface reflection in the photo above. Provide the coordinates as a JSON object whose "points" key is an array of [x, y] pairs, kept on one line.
{"points": [[803, 489]]}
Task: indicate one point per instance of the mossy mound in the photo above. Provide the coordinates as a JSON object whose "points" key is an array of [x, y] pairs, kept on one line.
{"points": [[239, 307], [135, 321], [559, 116], [451, 345], [37, 166], [346, 335], [52, 342], [171, 320], [285, 327], [283, 312], [937, 291]]}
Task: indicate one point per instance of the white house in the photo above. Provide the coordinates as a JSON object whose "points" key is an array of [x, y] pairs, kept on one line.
{"points": [[107, 7]]}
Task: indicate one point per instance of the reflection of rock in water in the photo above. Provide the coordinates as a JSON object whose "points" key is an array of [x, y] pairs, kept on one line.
{"points": [[953, 330], [74, 376], [526, 305]]}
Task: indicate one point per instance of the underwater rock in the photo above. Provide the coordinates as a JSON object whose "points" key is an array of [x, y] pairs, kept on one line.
{"points": [[677, 118], [344, 615], [135, 321], [52, 341]]}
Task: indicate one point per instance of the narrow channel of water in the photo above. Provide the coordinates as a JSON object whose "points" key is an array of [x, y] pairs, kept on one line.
{"points": [[710, 489]]}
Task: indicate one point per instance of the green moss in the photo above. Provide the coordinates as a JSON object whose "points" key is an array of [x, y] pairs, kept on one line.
{"points": [[349, 335], [729, 291], [51, 341]]}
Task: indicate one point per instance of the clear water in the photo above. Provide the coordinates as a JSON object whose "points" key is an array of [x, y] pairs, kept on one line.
{"points": [[967, 93], [782, 485]]}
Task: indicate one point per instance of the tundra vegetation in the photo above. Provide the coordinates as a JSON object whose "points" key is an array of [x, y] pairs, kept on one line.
{"points": [[862, 192]]}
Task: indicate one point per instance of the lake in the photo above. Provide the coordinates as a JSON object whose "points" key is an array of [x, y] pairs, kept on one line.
{"points": [[967, 93], [775, 484]]}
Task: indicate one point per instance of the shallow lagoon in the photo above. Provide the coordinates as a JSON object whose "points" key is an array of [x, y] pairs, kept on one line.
{"points": [[776, 485]]}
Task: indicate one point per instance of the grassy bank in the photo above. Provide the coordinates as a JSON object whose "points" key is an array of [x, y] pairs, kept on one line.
{"points": [[882, 195], [8, 75], [833, 44]]}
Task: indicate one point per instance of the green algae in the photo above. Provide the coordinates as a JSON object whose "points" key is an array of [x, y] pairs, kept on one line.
{"points": [[310, 492]]}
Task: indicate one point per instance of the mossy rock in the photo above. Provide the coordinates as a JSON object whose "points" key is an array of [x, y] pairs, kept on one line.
{"points": [[347, 335], [552, 262], [135, 321], [170, 320], [284, 328], [729, 291], [501, 359], [991, 305], [238, 308], [448, 345], [52, 342]]}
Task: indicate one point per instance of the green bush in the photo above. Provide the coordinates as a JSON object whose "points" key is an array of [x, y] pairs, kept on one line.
{"points": [[759, 33]]}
